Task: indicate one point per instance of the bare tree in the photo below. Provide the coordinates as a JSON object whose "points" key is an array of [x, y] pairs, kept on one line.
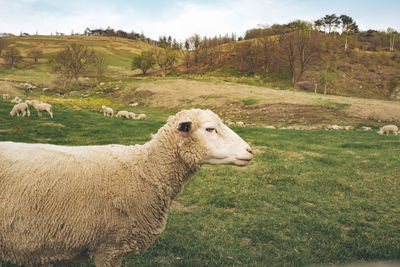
{"points": [[247, 55], [308, 45], [72, 61], [100, 64], [299, 48], [328, 74], [392, 35], [165, 59], [268, 49], [288, 48], [194, 42], [35, 54], [12, 56]]}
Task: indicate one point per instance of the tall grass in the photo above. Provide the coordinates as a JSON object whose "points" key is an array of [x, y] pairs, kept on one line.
{"points": [[308, 197]]}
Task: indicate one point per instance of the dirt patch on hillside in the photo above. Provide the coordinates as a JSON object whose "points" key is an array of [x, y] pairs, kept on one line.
{"points": [[286, 113], [281, 107]]}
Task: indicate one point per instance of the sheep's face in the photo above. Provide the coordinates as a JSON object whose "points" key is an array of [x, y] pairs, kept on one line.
{"points": [[213, 142]]}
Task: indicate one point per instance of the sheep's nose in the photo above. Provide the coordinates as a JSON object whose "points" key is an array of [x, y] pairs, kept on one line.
{"points": [[249, 150]]}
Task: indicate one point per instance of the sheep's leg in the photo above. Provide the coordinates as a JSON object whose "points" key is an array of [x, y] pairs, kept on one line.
{"points": [[39, 114]]}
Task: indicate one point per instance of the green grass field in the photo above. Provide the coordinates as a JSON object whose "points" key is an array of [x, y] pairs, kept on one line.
{"points": [[309, 197]]}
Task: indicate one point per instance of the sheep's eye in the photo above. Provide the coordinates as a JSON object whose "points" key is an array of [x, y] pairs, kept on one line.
{"points": [[210, 129]]}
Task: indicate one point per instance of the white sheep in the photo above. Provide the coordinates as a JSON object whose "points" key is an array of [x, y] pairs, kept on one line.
{"points": [[40, 107], [107, 111], [16, 100], [6, 96], [58, 202], [123, 114], [389, 128], [141, 116], [366, 128], [30, 102], [132, 115], [20, 109]]}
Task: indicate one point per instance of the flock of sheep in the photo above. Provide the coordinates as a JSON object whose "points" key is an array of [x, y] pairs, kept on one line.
{"points": [[107, 111], [22, 108]]}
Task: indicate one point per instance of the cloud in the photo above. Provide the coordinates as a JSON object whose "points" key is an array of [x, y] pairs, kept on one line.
{"points": [[187, 18], [177, 18]]}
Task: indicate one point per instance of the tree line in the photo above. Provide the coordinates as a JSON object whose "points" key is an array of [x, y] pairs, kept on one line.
{"points": [[287, 49]]}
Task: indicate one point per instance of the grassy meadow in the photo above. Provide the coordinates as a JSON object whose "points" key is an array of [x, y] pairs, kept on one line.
{"points": [[308, 197]]}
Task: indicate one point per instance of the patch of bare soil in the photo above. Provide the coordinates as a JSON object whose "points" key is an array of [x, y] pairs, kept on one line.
{"points": [[176, 205], [277, 107], [53, 124], [288, 114]]}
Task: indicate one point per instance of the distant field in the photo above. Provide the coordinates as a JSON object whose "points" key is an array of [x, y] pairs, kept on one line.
{"points": [[309, 197]]}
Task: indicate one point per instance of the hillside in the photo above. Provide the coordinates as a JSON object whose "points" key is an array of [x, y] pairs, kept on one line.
{"points": [[118, 52], [229, 93]]}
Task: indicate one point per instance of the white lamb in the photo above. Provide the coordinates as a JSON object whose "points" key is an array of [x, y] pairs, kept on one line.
{"points": [[30, 102], [107, 111], [58, 202], [141, 117], [20, 109], [389, 128], [132, 115], [16, 100], [6, 96], [123, 114], [40, 107]]}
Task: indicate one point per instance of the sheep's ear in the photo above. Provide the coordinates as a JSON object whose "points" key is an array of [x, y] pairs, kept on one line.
{"points": [[185, 128]]}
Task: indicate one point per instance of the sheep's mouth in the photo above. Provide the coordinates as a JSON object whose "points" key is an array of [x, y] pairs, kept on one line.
{"points": [[243, 161]]}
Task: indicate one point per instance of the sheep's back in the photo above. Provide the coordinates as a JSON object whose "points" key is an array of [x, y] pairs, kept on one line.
{"points": [[56, 199]]}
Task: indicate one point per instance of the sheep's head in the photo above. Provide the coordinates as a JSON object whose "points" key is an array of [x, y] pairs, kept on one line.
{"points": [[205, 139]]}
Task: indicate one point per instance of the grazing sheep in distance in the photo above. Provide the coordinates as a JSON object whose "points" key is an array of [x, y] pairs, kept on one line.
{"points": [[20, 109], [123, 114], [132, 115], [389, 128], [16, 100], [40, 107], [6, 96], [30, 102], [141, 117], [107, 111], [58, 202]]}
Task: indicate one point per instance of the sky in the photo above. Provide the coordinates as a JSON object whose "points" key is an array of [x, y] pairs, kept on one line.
{"points": [[181, 19]]}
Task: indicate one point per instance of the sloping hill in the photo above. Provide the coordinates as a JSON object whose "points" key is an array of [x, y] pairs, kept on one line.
{"points": [[118, 52]]}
